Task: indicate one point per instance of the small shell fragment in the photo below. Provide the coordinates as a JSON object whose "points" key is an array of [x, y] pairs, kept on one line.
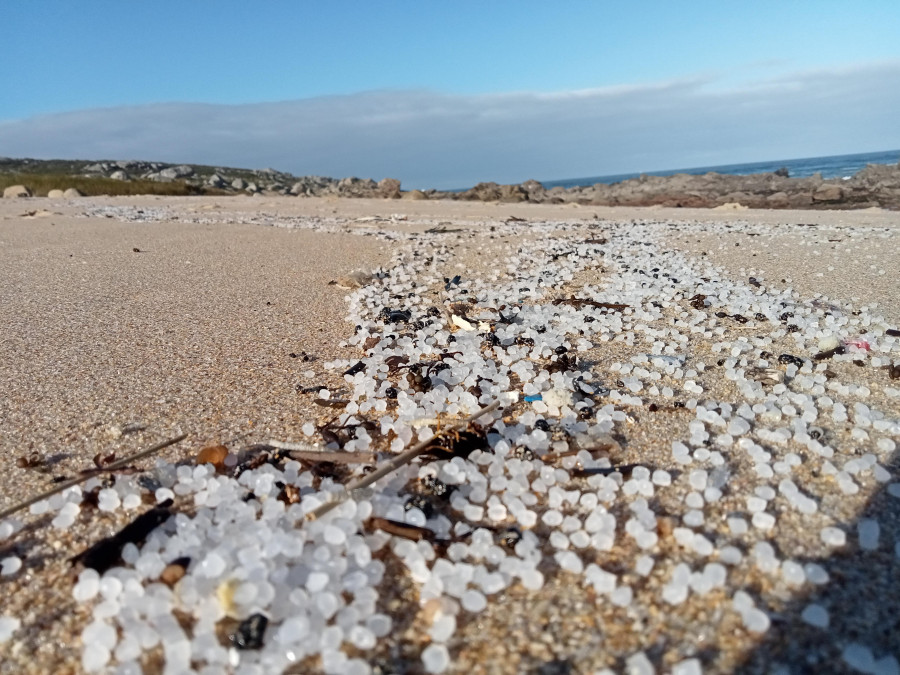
{"points": [[766, 375], [460, 322]]}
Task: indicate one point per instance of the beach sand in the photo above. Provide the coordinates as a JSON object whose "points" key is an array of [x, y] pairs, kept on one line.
{"points": [[127, 321]]}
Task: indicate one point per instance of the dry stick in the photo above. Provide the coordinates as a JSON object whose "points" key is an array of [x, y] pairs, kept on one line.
{"points": [[307, 452], [394, 464], [80, 479], [333, 457]]}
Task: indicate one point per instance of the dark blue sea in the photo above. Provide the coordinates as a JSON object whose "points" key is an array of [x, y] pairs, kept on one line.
{"points": [[837, 166]]}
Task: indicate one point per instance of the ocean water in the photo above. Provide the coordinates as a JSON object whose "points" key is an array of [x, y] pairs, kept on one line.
{"points": [[836, 166]]}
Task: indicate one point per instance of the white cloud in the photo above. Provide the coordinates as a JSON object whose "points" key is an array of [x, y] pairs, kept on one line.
{"points": [[430, 139]]}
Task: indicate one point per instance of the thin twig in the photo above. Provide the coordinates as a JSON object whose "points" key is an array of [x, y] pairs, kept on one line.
{"points": [[394, 464], [333, 457], [308, 452], [81, 479]]}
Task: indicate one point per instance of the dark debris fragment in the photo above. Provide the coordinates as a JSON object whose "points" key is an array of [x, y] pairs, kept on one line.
{"points": [[840, 349], [624, 469], [458, 444], [790, 358], [431, 485], [250, 632], [420, 502], [396, 315], [358, 367], [107, 552], [510, 537]]}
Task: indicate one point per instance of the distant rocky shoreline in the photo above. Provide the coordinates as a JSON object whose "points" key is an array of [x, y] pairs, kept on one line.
{"points": [[877, 185]]}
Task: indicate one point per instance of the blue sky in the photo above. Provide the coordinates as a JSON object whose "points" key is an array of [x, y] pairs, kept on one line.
{"points": [[445, 94]]}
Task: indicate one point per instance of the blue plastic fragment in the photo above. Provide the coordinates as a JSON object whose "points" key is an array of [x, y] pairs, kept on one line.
{"points": [[533, 397]]}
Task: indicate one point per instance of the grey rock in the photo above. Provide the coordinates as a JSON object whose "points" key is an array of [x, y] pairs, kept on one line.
{"points": [[71, 193], [120, 175], [174, 172], [216, 181], [56, 194], [239, 184]]}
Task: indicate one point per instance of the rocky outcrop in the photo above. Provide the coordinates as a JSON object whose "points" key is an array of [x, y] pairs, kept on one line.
{"points": [[389, 188], [876, 185], [15, 191], [216, 181], [71, 193], [175, 172], [492, 192]]}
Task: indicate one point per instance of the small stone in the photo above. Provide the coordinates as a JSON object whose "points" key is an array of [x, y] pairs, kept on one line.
{"points": [[173, 572], [213, 454]]}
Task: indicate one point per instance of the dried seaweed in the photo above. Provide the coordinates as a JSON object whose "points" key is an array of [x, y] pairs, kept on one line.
{"points": [[457, 444], [579, 303]]}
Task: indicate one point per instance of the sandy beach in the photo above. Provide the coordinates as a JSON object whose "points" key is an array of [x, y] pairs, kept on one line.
{"points": [[127, 321]]}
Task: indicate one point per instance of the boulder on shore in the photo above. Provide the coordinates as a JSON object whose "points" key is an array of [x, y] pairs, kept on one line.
{"points": [[216, 181], [828, 193], [71, 193], [389, 188], [56, 194], [14, 191]]}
